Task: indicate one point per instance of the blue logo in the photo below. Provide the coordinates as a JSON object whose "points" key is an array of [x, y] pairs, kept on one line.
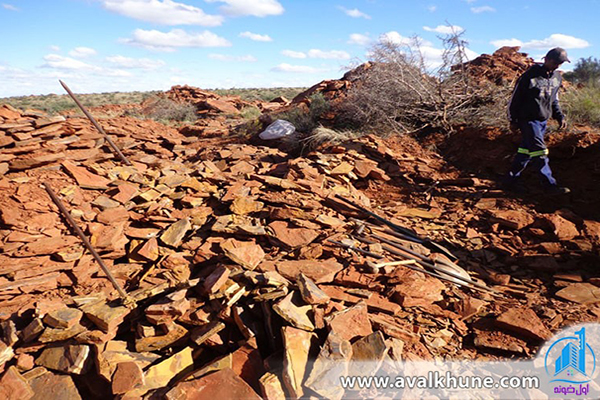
{"points": [[574, 359]]}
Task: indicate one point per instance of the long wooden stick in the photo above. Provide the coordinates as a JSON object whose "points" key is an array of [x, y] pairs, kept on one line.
{"points": [[96, 124], [85, 240]]}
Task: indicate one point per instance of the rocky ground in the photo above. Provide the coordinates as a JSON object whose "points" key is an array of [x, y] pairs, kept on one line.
{"points": [[241, 263]]}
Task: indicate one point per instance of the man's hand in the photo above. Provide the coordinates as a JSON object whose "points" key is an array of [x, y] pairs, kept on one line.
{"points": [[562, 124], [514, 127]]}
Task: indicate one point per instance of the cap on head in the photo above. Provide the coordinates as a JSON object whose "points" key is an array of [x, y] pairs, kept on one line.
{"points": [[558, 54]]}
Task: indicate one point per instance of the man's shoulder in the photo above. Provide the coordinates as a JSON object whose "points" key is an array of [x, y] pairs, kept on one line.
{"points": [[535, 69]]}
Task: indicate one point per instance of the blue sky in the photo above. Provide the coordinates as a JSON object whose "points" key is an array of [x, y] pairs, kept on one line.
{"points": [[125, 45]]}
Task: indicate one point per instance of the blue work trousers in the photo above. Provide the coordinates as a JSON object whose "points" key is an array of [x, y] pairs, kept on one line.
{"points": [[532, 150]]}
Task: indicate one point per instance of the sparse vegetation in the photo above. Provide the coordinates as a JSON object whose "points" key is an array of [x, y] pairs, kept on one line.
{"points": [[53, 103], [250, 112], [583, 105], [306, 121], [264, 94]]}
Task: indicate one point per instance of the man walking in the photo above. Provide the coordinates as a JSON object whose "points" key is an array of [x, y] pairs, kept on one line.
{"points": [[533, 102]]}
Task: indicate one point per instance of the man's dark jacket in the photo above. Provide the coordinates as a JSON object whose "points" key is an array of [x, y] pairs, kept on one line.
{"points": [[535, 97]]}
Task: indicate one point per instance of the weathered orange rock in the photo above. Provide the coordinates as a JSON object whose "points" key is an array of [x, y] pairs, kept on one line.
{"points": [[248, 364], [216, 279], [291, 236], [562, 228], [125, 192], [525, 322], [246, 254], [48, 385], [513, 219], [223, 384], [85, 178], [172, 306], [14, 387], [350, 323], [319, 271], [271, 388], [582, 293], [299, 345], [112, 215], [63, 318], [127, 376]]}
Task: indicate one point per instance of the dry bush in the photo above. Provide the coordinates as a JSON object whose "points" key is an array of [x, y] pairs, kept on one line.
{"points": [[165, 110], [322, 136], [399, 94]]}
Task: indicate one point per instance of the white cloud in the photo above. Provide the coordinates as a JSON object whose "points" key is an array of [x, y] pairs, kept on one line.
{"points": [[82, 52], [558, 39], [507, 42], [256, 37], [54, 48], [164, 12], [445, 29], [396, 38], [10, 7], [60, 62], [255, 8], [229, 58], [295, 69], [114, 72], [431, 8], [554, 40], [328, 55], [128, 62], [360, 39], [482, 9], [354, 13], [293, 54], [168, 41]]}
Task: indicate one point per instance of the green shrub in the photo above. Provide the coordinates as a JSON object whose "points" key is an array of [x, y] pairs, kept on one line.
{"points": [[250, 112], [583, 105], [305, 121]]}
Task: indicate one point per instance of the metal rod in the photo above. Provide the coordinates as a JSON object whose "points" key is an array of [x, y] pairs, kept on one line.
{"points": [[405, 254], [351, 247], [96, 124], [85, 240], [391, 232], [387, 230], [431, 245]]}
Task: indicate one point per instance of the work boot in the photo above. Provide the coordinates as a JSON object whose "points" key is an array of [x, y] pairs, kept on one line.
{"points": [[555, 189]]}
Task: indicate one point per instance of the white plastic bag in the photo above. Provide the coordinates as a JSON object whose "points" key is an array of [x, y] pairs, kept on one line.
{"points": [[278, 129]]}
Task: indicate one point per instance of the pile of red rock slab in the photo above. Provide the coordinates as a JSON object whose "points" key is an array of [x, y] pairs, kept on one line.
{"points": [[235, 285], [211, 104], [503, 67]]}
